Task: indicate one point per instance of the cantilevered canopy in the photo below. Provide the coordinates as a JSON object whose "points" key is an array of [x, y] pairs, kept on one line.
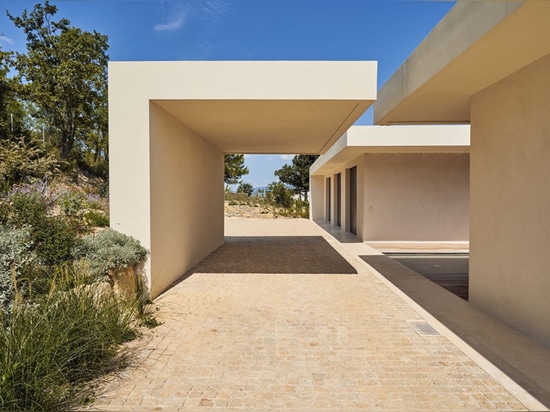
{"points": [[475, 45], [256, 107], [170, 124], [395, 139]]}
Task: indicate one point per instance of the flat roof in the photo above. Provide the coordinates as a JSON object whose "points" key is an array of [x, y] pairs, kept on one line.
{"points": [[253, 106], [393, 139], [475, 45]]}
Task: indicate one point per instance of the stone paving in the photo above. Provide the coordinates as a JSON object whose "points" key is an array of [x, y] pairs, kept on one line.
{"points": [[287, 341]]}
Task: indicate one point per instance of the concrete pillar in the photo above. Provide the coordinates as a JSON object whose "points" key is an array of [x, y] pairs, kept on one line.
{"points": [[317, 197]]}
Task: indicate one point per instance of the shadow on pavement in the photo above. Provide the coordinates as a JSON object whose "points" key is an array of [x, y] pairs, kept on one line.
{"points": [[518, 356], [275, 254]]}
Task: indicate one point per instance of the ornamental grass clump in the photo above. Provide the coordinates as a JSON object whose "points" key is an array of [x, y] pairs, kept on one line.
{"points": [[49, 349]]}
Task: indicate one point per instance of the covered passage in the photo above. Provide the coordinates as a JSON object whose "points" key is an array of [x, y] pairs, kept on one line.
{"points": [[172, 122]]}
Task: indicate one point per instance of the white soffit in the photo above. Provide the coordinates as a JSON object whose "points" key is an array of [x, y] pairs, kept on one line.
{"points": [[475, 45], [359, 140]]}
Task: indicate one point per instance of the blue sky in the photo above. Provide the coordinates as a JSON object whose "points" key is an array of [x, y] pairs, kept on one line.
{"points": [[383, 30]]}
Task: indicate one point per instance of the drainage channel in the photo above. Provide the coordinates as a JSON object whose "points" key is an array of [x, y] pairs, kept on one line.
{"points": [[448, 270]]}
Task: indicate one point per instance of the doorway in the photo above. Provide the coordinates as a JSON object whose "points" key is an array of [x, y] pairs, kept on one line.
{"points": [[328, 199], [338, 189], [352, 208]]}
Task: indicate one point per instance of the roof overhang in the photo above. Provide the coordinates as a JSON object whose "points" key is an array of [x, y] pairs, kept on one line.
{"points": [[475, 45], [255, 106], [359, 140]]}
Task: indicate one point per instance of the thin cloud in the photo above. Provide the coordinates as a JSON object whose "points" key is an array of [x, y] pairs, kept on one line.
{"points": [[175, 23], [5, 39], [209, 11], [287, 156], [214, 9]]}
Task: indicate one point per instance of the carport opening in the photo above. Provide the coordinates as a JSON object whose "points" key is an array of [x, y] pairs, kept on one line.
{"points": [[270, 187], [267, 185]]}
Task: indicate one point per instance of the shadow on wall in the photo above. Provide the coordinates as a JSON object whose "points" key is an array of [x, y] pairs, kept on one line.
{"points": [[275, 254]]}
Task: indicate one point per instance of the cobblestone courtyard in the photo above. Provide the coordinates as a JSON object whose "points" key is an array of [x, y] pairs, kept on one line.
{"points": [[270, 340]]}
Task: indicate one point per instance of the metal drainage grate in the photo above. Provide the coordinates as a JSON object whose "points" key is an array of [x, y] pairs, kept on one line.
{"points": [[423, 328]]}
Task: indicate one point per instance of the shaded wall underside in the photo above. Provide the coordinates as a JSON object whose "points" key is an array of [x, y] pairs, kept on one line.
{"points": [[186, 198]]}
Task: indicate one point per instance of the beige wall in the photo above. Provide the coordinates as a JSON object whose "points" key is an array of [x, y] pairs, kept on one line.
{"points": [[186, 198], [129, 194], [416, 197], [404, 196], [510, 200]]}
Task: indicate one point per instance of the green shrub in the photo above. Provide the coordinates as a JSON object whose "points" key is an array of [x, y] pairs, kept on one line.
{"points": [[67, 337], [245, 188], [72, 204], [110, 252], [17, 261], [53, 237], [54, 240], [301, 209], [23, 162], [281, 195], [237, 198], [96, 219], [28, 207], [95, 201]]}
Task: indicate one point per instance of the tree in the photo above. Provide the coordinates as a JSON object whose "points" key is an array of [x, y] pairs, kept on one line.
{"points": [[280, 194], [11, 110], [64, 75], [245, 188], [297, 175], [234, 168]]}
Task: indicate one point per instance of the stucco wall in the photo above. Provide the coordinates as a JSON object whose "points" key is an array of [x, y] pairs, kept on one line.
{"points": [[129, 195], [510, 200], [186, 198], [317, 200], [416, 197]]}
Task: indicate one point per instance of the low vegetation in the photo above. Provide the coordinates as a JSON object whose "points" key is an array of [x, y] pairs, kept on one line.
{"points": [[70, 290], [52, 344], [287, 197], [276, 201]]}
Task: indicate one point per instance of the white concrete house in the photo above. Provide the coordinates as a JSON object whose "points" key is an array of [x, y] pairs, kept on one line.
{"points": [[486, 64]]}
